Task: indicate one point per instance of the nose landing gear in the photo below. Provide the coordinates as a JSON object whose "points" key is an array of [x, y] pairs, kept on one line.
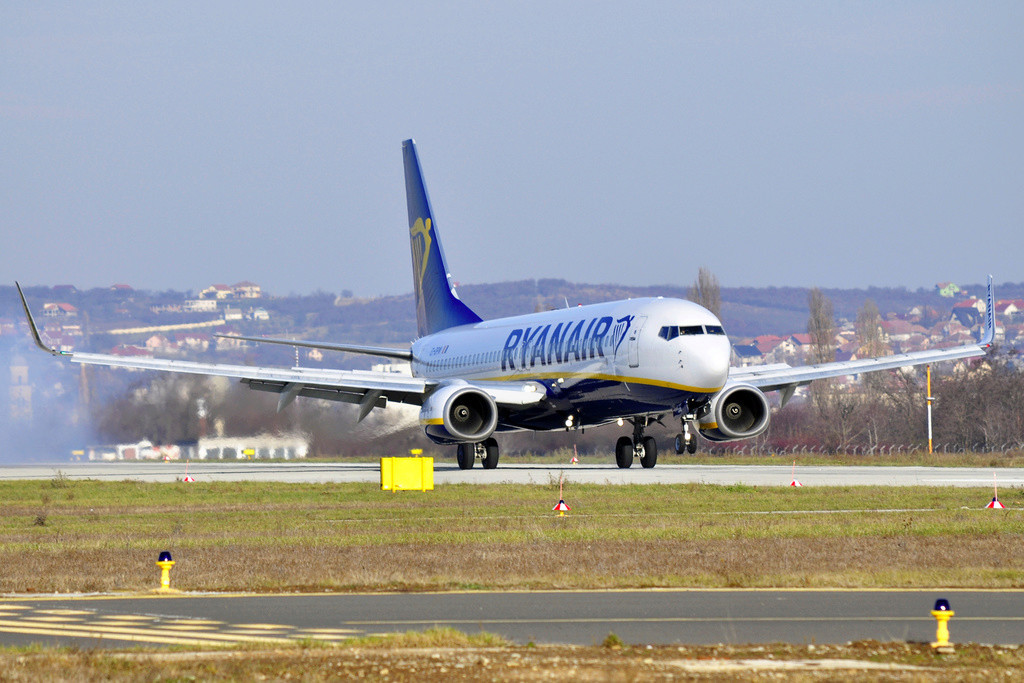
{"points": [[687, 440]]}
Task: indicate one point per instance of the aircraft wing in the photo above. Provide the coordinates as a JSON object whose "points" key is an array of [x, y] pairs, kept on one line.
{"points": [[386, 352], [768, 378], [780, 376], [368, 389]]}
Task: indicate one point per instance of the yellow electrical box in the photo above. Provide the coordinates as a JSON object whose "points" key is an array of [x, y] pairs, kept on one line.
{"points": [[407, 474]]}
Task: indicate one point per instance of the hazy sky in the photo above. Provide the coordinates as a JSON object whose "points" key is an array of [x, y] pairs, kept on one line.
{"points": [[174, 145]]}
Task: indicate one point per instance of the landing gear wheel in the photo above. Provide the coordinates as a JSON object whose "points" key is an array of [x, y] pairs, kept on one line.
{"points": [[465, 453], [490, 460], [691, 446], [650, 457], [680, 444], [624, 452]]}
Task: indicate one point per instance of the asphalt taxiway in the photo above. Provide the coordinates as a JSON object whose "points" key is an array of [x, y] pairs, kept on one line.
{"points": [[448, 473], [572, 617]]}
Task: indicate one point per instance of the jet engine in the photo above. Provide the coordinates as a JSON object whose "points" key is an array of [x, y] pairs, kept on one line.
{"points": [[739, 412], [459, 413]]}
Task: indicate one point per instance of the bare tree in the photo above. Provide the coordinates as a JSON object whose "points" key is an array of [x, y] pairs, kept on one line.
{"points": [[871, 345], [869, 331], [706, 291], [821, 326]]}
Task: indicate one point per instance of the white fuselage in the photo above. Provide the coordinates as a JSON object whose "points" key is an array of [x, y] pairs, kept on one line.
{"points": [[602, 361]]}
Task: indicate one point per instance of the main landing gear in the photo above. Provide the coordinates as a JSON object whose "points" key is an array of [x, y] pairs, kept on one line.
{"points": [[487, 451], [640, 446]]}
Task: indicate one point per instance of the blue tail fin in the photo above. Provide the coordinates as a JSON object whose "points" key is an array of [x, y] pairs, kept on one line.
{"points": [[437, 305]]}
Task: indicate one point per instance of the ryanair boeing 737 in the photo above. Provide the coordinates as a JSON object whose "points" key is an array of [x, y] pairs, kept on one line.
{"points": [[635, 361]]}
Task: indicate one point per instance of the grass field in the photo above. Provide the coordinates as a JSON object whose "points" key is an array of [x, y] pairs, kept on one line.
{"points": [[70, 536], [447, 656]]}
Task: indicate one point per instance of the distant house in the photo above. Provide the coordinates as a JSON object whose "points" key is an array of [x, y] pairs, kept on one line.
{"points": [[744, 355], [1006, 308], [794, 347], [219, 292], [246, 290], [197, 341], [124, 289], [966, 316], [159, 342], [258, 314], [227, 339], [899, 330], [128, 350], [767, 343], [976, 304], [232, 313], [241, 290], [199, 306], [59, 310]]}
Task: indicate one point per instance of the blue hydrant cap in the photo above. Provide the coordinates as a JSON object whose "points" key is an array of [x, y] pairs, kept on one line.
{"points": [[165, 556], [942, 605]]}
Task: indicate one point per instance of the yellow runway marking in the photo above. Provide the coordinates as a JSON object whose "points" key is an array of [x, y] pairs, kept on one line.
{"points": [[190, 627], [18, 627], [259, 626], [194, 622], [65, 612]]}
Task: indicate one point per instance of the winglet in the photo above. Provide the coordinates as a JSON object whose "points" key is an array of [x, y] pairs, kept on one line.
{"points": [[989, 333], [32, 325]]}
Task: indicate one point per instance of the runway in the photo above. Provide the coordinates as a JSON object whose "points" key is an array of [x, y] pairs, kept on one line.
{"points": [[448, 473], [581, 618]]}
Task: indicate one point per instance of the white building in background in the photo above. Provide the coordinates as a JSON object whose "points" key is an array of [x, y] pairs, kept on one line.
{"points": [[260, 447]]}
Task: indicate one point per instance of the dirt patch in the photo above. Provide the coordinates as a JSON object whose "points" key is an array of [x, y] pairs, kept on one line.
{"points": [[855, 661]]}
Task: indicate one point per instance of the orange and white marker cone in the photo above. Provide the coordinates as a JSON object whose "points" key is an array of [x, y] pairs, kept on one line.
{"points": [[561, 508], [995, 504], [794, 482], [188, 479], [575, 458]]}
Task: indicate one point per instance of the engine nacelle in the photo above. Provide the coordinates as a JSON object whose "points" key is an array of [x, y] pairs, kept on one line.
{"points": [[458, 413], [739, 412]]}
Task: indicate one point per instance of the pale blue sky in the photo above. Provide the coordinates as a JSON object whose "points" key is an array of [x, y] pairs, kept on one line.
{"points": [[173, 145]]}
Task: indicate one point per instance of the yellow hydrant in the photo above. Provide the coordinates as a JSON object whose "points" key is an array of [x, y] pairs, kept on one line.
{"points": [[942, 614], [165, 563]]}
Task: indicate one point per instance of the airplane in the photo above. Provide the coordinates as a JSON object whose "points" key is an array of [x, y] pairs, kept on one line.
{"points": [[637, 361]]}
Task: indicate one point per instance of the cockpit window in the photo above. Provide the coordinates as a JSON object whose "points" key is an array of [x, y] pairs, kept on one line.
{"points": [[672, 331]]}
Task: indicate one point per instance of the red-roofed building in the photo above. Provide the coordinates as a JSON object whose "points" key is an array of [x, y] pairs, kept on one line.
{"points": [[59, 310], [127, 351]]}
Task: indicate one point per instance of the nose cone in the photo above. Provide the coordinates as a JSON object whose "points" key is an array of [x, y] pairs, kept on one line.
{"points": [[707, 362]]}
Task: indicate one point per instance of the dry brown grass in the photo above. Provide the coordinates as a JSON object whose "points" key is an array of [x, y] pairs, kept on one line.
{"points": [[106, 537], [397, 661], [836, 562]]}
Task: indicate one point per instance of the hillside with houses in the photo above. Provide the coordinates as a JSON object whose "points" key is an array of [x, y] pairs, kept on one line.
{"points": [[48, 401], [765, 325]]}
